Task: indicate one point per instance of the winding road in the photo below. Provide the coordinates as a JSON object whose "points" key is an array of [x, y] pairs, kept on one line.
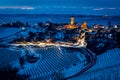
{"points": [[93, 61], [92, 55]]}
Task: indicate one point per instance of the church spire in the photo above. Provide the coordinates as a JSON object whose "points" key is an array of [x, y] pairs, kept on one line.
{"points": [[72, 20]]}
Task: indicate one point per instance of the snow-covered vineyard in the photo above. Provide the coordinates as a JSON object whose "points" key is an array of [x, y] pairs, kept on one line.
{"points": [[55, 62], [52, 62], [7, 56], [107, 67], [5, 32], [8, 34]]}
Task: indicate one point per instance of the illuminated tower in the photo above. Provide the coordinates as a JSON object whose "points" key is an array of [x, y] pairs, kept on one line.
{"points": [[84, 25], [71, 25], [72, 20]]}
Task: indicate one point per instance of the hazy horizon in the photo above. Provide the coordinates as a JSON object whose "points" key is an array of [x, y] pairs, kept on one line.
{"points": [[86, 7], [58, 14]]}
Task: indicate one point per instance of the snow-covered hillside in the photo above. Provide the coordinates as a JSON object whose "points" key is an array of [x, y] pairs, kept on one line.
{"points": [[7, 56], [5, 32], [107, 67], [52, 62]]}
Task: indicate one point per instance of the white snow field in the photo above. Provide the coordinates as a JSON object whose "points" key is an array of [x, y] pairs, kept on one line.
{"points": [[52, 62], [5, 32], [7, 56], [107, 67]]}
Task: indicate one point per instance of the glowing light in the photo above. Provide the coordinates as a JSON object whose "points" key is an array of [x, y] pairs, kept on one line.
{"points": [[115, 26], [23, 28], [84, 25], [71, 25], [72, 20]]}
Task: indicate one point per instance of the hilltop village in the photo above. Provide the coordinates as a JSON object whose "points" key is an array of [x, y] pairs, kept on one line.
{"points": [[53, 51], [96, 37]]}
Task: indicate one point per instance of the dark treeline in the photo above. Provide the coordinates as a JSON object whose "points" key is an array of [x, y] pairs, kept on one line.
{"points": [[9, 73]]}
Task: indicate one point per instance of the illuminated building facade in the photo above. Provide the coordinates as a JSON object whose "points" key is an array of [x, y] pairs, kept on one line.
{"points": [[72, 20], [72, 24], [84, 25]]}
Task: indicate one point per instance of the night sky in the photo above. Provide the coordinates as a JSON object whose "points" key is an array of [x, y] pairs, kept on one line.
{"points": [[97, 7]]}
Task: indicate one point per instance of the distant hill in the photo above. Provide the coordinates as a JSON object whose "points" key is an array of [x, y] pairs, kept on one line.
{"points": [[59, 18]]}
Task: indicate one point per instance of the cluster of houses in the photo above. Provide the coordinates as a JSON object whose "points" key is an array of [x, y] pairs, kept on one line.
{"points": [[53, 32], [68, 32], [101, 38]]}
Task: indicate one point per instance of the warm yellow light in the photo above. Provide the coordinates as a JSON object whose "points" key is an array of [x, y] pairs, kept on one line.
{"points": [[72, 20], [84, 25]]}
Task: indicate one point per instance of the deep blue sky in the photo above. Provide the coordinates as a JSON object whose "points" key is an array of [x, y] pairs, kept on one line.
{"points": [[97, 7]]}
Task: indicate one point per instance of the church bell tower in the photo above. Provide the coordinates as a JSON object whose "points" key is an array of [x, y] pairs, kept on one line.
{"points": [[72, 20]]}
